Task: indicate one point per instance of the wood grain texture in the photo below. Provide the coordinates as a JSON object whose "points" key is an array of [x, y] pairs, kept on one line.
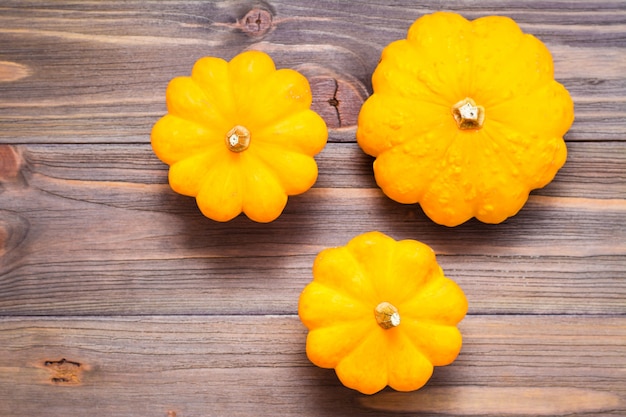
{"points": [[87, 78], [255, 365], [117, 297]]}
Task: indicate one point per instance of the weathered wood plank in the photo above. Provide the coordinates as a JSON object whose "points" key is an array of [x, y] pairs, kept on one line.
{"points": [[113, 218], [272, 284], [242, 366], [88, 220], [80, 83], [592, 170], [480, 400], [72, 258]]}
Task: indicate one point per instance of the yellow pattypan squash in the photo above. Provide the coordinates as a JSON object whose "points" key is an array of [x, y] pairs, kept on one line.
{"points": [[381, 312], [240, 136], [465, 119]]}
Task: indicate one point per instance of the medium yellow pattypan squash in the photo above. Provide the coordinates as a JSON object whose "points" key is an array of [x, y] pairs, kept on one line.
{"points": [[240, 136], [381, 312], [465, 119]]}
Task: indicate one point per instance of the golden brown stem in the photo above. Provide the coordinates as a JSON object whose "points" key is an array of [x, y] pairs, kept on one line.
{"points": [[468, 115], [238, 139], [387, 315]]}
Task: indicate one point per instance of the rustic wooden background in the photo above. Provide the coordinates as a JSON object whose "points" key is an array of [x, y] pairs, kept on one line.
{"points": [[117, 298]]}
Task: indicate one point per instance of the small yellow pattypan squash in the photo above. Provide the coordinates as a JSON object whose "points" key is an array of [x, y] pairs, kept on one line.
{"points": [[381, 312], [465, 119], [240, 136]]}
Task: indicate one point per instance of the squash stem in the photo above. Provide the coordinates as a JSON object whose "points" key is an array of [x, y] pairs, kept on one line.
{"points": [[387, 315], [238, 139], [468, 115]]}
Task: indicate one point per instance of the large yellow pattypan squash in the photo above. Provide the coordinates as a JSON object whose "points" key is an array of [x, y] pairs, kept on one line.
{"points": [[381, 312], [465, 119], [240, 136]]}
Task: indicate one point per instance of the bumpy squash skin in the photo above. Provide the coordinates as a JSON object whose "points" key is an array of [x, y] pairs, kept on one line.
{"points": [[423, 157], [338, 309], [273, 105]]}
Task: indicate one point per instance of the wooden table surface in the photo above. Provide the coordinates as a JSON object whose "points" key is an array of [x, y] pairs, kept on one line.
{"points": [[118, 298]]}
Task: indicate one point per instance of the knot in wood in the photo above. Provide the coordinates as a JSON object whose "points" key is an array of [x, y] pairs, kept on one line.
{"points": [[257, 22], [10, 162], [64, 372], [337, 98]]}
